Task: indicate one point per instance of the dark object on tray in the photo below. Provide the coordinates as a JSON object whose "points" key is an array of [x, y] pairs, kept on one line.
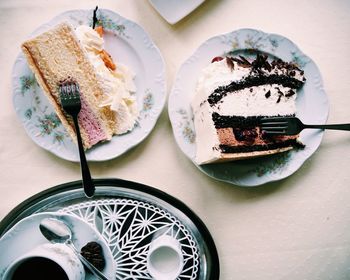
{"points": [[92, 251]]}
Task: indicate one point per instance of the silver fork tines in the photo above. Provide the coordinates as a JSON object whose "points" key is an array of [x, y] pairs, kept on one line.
{"points": [[275, 125], [69, 90], [293, 126]]}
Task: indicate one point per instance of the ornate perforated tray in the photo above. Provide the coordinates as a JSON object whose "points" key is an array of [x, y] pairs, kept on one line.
{"points": [[129, 216]]}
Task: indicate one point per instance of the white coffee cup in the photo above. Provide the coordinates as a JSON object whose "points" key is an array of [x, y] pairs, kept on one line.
{"points": [[60, 256], [165, 258]]}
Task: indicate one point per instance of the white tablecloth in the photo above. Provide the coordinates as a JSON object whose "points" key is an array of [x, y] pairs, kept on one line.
{"points": [[298, 228]]}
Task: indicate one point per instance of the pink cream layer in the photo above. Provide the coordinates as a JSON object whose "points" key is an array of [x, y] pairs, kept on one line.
{"points": [[90, 124]]}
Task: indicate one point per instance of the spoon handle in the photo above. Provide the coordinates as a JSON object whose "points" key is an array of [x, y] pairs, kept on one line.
{"points": [[86, 263]]}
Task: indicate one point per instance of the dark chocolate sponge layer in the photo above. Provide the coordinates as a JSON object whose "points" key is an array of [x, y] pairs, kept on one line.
{"points": [[238, 121]]}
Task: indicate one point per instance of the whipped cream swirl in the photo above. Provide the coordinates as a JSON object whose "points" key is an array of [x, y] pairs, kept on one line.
{"points": [[118, 85]]}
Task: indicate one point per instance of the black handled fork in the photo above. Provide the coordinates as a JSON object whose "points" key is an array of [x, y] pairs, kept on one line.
{"points": [[71, 104]]}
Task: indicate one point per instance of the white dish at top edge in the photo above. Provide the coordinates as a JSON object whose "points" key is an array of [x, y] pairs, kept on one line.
{"points": [[175, 10]]}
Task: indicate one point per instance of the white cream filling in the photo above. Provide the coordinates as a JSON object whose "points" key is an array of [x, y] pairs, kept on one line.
{"points": [[211, 77], [214, 75], [248, 103], [118, 85], [207, 141]]}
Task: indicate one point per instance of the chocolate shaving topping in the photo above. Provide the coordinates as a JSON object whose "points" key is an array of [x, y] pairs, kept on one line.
{"points": [[280, 94], [261, 62], [268, 66], [279, 98], [251, 81], [237, 60], [245, 61], [241, 63], [290, 93], [279, 91], [279, 63], [259, 77], [294, 66], [230, 63]]}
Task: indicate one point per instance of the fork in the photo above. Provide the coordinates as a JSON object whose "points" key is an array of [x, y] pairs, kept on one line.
{"points": [[292, 125], [71, 104]]}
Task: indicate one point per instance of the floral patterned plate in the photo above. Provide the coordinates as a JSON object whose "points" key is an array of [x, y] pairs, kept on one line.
{"points": [[129, 44], [312, 106]]}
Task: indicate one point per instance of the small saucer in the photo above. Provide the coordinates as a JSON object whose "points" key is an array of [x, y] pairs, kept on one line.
{"points": [[25, 235]]}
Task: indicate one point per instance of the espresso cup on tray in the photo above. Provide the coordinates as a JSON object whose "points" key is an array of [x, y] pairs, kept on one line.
{"points": [[46, 261]]}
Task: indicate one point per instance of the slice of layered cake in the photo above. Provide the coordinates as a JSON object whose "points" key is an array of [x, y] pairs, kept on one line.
{"points": [[232, 95], [106, 90]]}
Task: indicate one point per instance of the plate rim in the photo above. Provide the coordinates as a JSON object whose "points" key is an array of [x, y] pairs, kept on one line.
{"points": [[172, 118]]}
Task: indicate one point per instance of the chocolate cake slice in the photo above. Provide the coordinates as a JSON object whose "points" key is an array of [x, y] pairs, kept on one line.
{"points": [[232, 95]]}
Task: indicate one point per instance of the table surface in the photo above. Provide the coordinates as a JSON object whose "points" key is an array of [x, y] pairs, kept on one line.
{"points": [[297, 228]]}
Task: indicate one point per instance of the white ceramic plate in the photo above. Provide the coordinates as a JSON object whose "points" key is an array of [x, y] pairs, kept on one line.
{"points": [[312, 106], [175, 10], [26, 235], [128, 44]]}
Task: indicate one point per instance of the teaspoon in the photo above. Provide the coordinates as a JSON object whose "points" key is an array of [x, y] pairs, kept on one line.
{"points": [[56, 231]]}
